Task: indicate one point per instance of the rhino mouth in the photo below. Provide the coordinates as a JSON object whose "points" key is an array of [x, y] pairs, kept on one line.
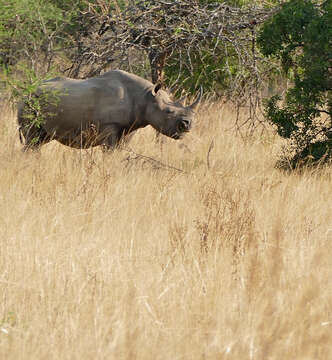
{"points": [[176, 136], [179, 135]]}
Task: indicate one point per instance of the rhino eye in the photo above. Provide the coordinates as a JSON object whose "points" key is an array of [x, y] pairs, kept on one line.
{"points": [[169, 111]]}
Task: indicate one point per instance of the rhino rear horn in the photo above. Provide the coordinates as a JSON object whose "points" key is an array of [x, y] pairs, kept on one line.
{"points": [[197, 101], [156, 88]]}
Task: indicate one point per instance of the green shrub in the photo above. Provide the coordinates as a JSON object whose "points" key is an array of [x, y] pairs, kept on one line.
{"points": [[300, 36]]}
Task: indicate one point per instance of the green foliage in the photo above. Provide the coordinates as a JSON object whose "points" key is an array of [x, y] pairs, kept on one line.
{"points": [[26, 89], [230, 2], [300, 36], [222, 67], [26, 28], [204, 69], [31, 31]]}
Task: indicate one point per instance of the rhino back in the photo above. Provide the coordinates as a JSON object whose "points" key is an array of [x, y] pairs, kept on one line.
{"points": [[76, 104]]}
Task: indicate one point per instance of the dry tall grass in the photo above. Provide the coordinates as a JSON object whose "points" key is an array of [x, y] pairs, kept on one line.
{"points": [[110, 256]]}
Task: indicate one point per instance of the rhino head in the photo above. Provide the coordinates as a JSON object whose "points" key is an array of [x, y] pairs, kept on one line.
{"points": [[168, 117]]}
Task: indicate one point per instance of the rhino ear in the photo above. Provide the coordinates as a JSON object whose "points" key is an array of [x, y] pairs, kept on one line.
{"points": [[156, 88]]}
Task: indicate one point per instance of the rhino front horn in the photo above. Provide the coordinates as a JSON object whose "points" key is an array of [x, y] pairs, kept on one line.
{"points": [[197, 101]]}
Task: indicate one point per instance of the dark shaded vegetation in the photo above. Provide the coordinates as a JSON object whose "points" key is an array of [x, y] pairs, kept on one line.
{"points": [[300, 36]]}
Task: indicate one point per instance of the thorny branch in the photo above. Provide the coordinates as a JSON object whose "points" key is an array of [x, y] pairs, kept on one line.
{"points": [[156, 164], [164, 27]]}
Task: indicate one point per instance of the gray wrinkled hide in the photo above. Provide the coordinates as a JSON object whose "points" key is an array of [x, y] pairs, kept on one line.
{"points": [[100, 110]]}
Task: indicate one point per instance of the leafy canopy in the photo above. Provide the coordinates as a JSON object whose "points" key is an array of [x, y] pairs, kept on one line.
{"points": [[300, 36]]}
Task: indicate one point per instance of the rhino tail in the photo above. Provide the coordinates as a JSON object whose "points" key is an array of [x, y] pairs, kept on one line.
{"points": [[20, 134], [20, 121]]}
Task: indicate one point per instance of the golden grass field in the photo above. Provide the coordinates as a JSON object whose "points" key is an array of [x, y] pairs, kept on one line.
{"points": [[114, 256]]}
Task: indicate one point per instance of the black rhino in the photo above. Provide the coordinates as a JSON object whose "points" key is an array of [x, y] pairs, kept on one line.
{"points": [[100, 111]]}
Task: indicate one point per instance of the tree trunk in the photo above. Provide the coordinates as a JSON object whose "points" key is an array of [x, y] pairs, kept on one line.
{"points": [[157, 60]]}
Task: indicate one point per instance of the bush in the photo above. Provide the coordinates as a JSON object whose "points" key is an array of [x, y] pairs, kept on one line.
{"points": [[29, 32], [300, 36]]}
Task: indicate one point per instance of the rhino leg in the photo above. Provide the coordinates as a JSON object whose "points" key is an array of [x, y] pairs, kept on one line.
{"points": [[34, 137], [31, 134], [112, 136]]}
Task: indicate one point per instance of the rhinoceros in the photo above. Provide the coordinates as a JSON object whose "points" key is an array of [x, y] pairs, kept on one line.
{"points": [[100, 111]]}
